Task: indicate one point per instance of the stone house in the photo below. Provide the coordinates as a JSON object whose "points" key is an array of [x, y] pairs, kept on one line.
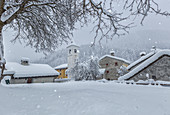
{"points": [[26, 72], [112, 64], [156, 66]]}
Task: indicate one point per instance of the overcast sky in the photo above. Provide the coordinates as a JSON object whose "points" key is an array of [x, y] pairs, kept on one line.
{"points": [[153, 25]]}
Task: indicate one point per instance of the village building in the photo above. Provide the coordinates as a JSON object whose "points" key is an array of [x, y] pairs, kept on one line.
{"points": [[112, 64], [26, 72], [62, 70], [155, 65], [73, 54]]}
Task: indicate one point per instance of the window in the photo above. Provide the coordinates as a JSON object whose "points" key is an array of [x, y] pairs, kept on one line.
{"points": [[107, 71], [154, 77], [69, 51], [107, 64], [116, 64], [75, 51]]}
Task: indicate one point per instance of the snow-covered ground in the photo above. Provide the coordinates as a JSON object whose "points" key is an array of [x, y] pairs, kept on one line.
{"points": [[84, 98]]}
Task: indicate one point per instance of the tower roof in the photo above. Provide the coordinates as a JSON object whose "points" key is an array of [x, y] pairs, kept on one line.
{"points": [[72, 44]]}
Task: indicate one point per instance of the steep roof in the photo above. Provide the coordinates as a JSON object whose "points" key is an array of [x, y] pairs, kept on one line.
{"points": [[146, 63], [31, 70], [114, 57], [63, 66], [143, 58]]}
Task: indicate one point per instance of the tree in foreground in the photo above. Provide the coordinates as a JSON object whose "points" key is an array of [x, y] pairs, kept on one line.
{"points": [[79, 71], [88, 70], [46, 24]]}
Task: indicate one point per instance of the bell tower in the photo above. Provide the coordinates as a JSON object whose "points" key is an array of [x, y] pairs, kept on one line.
{"points": [[73, 54]]}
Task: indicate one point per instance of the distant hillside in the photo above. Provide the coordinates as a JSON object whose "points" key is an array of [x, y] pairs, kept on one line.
{"points": [[60, 57], [143, 39]]}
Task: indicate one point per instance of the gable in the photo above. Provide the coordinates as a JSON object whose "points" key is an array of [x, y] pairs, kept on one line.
{"points": [[158, 55], [159, 70]]}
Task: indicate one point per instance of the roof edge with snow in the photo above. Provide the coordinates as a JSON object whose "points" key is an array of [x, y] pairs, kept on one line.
{"points": [[114, 57], [62, 66]]}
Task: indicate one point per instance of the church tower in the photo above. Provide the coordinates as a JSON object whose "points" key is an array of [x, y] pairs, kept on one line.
{"points": [[73, 54]]}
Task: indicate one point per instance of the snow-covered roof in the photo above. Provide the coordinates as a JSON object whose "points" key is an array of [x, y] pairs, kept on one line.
{"points": [[8, 72], [72, 44], [25, 59], [63, 66], [146, 63], [31, 70], [142, 53], [112, 51], [114, 57], [143, 58]]}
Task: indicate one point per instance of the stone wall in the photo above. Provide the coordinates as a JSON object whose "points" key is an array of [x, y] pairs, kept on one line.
{"points": [[111, 68], [34, 80]]}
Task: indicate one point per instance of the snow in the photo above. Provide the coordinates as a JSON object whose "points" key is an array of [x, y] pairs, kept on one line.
{"points": [[84, 98], [114, 57], [3, 61], [31, 70], [101, 71], [7, 78], [142, 53], [62, 80], [112, 52], [5, 17], [140, 60], [144, 64], [8, 72], [61, 66], [73, 44], [25, 59]]}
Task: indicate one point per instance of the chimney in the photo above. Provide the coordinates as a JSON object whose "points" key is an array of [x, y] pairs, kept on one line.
{"points": [[24, 61], [142, 54], [153, 49], [112, 53]]}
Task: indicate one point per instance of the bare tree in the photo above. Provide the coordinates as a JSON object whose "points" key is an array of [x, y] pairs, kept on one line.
{"points": [[144, 7], [45, 24]]}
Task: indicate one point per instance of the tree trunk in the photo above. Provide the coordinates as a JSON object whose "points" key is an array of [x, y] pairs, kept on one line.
{"points": [[2, 63], [1, 43]]}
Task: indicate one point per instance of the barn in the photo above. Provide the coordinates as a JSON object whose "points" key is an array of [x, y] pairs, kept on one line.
{"points": [[26, 72], [155, 65]]}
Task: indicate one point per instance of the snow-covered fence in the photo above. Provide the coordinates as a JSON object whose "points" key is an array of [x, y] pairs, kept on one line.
{"points": [[147, 82]]}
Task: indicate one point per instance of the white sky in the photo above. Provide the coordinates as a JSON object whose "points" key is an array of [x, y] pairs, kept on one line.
{"points": [[158, 24]]}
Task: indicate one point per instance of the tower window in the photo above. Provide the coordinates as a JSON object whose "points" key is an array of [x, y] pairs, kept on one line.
{"points": [[75, 51], [107, 64], [69, 51], [116, 64]]}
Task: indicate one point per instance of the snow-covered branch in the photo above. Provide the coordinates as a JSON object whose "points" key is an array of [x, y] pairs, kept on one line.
{"points": [[144, 7], [46, 24]]}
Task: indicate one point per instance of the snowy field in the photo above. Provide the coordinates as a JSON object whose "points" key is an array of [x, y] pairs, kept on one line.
{"points": [[84, 98]]}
